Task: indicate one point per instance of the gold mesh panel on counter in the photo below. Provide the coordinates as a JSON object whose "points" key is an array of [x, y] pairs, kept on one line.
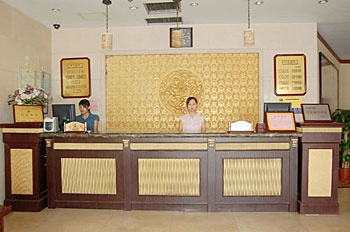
{"points": [[147, 93], [320, 173], [251, 146], [89, 176], [21, 171], [252, 177], [88, 146], [175, 177], [168, 146]]}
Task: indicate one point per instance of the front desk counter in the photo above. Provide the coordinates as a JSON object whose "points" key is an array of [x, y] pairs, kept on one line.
{"points": [[201, 172]]}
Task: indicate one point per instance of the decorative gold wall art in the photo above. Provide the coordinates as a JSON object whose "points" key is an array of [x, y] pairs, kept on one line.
{"points": [[147, 93], [290, 74], [75, 77], [175, 88]]}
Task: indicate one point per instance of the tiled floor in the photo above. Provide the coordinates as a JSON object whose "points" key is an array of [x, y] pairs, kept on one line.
{"points": [[77, 220]]}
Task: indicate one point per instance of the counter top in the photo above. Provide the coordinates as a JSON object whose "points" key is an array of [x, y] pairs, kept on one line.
{"points": [[163, 135]]}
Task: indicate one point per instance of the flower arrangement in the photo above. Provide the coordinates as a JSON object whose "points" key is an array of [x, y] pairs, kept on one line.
{"points": [[29, 96]]}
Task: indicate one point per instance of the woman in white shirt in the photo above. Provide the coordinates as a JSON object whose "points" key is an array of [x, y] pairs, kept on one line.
{"points": [[192, 122]]}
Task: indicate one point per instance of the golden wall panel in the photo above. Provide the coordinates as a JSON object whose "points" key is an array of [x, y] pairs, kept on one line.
{"points": [[168, 146], [21, 171], [320, 173], [89, 176], [147, 93], [252, 177], [319, 130], [88, 146], [23, 130], [174, 177], [251, 146]]}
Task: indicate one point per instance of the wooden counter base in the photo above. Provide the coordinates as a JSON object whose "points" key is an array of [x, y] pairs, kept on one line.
{"points": [[206, 172]]}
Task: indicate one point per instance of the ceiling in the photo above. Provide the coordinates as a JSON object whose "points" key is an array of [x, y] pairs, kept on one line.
{"points": [[333, 18]]}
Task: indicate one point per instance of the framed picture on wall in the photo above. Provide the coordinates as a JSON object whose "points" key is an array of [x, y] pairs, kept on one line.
{"points": [[181, 37], [75, 77], [316, 113], [290, 74]]}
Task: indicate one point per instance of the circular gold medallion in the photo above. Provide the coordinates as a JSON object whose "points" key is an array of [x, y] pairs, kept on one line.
{"points": [[176, 87]]}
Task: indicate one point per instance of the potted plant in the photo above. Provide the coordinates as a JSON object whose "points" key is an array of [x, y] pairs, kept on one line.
{"points": [[29, 96], [343, 116]]}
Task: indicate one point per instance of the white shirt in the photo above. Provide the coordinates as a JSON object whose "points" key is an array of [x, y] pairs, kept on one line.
{"points": [[192, 125]]}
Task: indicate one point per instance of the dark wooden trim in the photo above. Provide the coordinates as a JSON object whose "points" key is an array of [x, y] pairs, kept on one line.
{"points": [[324, 42]]}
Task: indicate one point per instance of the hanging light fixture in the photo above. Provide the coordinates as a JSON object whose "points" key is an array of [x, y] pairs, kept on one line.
{"points": [[176, 33], [249, 34], [107, 38]]}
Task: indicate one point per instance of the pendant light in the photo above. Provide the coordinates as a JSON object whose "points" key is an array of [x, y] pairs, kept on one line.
{"points": [[176, 33], [107, 38], [249, 34]]}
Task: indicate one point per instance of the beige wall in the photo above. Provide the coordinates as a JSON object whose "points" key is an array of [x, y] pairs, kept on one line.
{"points": [[271, 39], [20, 36], [344, 76], [344, 83]]}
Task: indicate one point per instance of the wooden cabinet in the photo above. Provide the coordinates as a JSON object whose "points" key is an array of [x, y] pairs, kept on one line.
{"points": [[25, 168], [318, 168]]}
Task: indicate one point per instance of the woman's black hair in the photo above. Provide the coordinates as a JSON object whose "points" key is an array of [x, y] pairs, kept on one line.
{"points": [[84, 103], [191, 98]]}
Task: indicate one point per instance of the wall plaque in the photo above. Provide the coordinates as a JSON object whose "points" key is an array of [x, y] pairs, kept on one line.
{"points": [[75, 77], [290, 74]]}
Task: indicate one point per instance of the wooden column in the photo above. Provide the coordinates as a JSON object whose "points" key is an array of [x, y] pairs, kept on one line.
{"points": [[318, 168], [25, 167]]}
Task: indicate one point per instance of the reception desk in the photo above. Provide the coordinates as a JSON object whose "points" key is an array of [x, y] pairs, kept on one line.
{"points": [[201, 172]]}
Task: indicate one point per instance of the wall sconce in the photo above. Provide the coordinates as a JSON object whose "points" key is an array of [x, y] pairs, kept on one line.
{"points": [[249, 34], [107, 38]]}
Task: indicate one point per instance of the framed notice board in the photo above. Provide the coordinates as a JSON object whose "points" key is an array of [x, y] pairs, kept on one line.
{"points": [[290, 74], [280, 121], [75, 77], [316, 113]]}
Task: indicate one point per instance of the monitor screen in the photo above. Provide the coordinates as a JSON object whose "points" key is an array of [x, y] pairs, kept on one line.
{"points": [[277, 107], [64, 113]]}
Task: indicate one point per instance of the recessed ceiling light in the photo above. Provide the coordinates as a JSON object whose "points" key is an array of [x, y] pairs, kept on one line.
{"points": [[323, 1], [55, 9], [133, 8], [259, 3], [194, 4]]}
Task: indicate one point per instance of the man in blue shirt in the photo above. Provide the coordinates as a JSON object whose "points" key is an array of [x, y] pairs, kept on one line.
{"points": [[88, 117]]}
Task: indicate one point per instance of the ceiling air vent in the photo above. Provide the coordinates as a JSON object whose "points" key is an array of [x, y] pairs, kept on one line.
{"points": [[161, 7], [168, 20]]}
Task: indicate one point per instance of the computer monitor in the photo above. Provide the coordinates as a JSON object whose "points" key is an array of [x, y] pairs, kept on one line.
{"points": [[277, 107], [64, 113]]}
